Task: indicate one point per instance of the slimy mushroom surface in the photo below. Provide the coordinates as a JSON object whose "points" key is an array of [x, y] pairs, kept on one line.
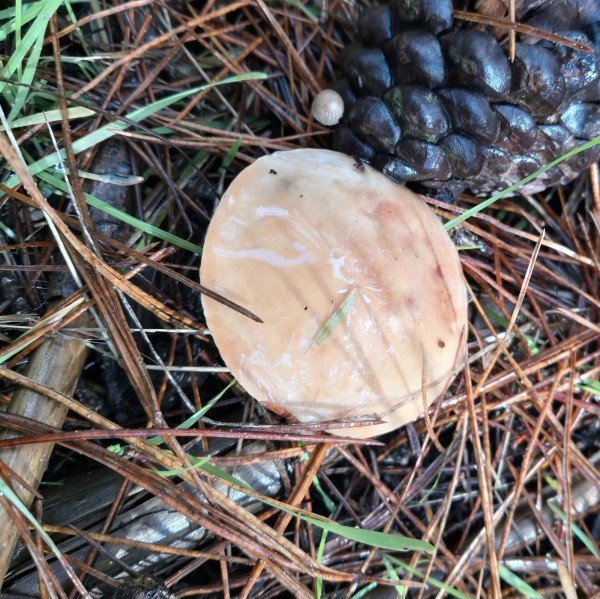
{"points": [[360, 289]]}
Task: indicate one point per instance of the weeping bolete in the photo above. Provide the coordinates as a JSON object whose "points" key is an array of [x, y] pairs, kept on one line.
{"points": [[359, 286]]}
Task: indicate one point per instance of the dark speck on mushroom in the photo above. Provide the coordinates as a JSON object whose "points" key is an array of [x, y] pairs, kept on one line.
{"points": [[272, 172]]}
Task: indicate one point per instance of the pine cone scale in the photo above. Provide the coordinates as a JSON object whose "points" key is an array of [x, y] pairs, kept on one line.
{"points": [[435, 100]]}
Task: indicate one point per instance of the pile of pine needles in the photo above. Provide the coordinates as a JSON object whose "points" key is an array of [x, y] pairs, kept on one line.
{"points": [[122, 124]]}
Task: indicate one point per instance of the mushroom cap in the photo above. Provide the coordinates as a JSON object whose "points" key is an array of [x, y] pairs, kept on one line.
{"points": [[358, 284], [328, 107]]}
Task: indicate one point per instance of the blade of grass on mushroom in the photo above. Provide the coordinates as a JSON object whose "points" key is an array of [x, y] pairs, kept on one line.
{"points": [[107, 131], [464, 248], [335, 319], [515, 186]]}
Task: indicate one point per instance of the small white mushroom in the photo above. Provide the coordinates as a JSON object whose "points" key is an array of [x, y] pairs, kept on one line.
{"points": [[328, 107], [359, 286]]}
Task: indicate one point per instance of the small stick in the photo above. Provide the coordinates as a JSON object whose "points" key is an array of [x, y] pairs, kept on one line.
{"points": [[565, 580], [58, 363], [595, 181], [511, 31], [520, 28]]}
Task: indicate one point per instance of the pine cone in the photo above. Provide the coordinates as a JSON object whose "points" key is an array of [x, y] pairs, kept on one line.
{"points": [[433, 99]]}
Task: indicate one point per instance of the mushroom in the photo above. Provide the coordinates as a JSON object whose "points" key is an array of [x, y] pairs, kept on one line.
{"points": [[328, 107], [360, 289]]}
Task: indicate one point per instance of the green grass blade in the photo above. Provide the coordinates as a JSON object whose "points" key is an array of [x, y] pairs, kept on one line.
{"points": [[312, 14], [319, 560], [589, 544], [229, 157], [204, 409], [27, 79], [14, 499], [501, 321], [18, 21], [590, 385], [50, 116], [327, 501], [198, 415], [14, 22], [124, 217], [518, 584], [179, 471], [498, 196], [364, 591], [373, 538], [464, 248], [553, 484], [434, 582], [36, 31], [401, 590], [107, 131]]}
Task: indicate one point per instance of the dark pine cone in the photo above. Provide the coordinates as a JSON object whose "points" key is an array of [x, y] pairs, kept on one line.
{"points": [[435, 100]]}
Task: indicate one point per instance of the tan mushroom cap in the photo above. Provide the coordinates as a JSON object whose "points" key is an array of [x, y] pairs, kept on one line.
{"points": [[306, 235]]}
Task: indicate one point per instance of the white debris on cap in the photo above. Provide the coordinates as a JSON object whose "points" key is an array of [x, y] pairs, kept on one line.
{"points": [[359, 286]]}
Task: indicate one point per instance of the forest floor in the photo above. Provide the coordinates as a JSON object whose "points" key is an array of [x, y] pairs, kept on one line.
{"points": [[124, 122]]}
